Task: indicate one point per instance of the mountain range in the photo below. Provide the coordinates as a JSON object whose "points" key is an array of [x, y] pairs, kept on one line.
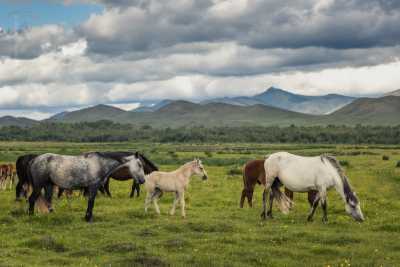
{"points": [[275, 97], [273, 107]]}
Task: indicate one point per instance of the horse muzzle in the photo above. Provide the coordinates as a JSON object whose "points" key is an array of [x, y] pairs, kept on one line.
{"points": [[205, 177]]}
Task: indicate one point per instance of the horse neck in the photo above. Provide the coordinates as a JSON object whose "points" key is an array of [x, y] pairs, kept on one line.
{"points": [[186, 171], [340, 187]]}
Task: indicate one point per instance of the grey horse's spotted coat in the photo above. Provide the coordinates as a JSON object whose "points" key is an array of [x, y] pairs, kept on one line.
{"points": [[89, 170]]}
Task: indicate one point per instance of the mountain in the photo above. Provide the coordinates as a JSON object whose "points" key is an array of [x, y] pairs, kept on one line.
{"points": [[13, 121], [372, 111], [153, 106], [394, 93], [95, 113], [275, 97], [184, 113]]}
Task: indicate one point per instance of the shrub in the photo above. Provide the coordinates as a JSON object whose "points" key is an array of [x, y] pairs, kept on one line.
{"points": [[344, 163], [234, 171], [384, 157], [208, 154]]}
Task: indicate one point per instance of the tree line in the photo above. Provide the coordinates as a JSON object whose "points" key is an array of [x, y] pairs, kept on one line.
{"points": [[107, 131]]}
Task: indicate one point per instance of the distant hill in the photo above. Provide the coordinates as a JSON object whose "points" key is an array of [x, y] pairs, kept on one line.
{"points": [[153, 107], [96, 113], [394, 93], [275, 97], [372, 111], [13, 121], [184, 113]]}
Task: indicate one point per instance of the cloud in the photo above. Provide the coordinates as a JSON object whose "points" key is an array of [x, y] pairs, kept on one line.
{"points": [[138, 50]]}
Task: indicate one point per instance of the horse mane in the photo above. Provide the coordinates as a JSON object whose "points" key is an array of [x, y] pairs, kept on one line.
{"points": [[120, 156], [346, 185], [149, 166]]}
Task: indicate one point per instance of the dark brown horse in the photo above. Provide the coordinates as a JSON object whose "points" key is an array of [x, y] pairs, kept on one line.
{"points": [[253, 173], [124, 175]]}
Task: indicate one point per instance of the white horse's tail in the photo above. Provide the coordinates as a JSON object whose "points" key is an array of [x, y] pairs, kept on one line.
{"points": [[283, 202]]}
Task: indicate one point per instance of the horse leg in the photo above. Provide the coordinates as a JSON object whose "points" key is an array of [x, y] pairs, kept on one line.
{"points": [[271, 201], [324, 206], [32, 199], [289, 194], [107, 188], [242, 198], [176, 199], [137, 187], [60, 192], [49, 195], [156, 194], [311, 197], [92, 196], [133, 189], [147, 201], [314, 207], [182, 200], [264, 198], [250, 192], [18, 190]]}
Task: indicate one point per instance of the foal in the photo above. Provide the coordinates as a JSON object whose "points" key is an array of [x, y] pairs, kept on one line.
{"points": [[176, 181]]}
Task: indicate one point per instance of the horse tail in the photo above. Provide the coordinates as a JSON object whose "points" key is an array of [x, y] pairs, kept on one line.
{"points": [[283, 202]]}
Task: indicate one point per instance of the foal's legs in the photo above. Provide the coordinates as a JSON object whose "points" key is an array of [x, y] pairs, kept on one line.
{"points": [[156, 194], [314, 207], [182, 200], [177, 198]]}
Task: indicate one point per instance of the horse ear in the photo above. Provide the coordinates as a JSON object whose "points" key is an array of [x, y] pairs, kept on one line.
{"points": [[137, 154]]}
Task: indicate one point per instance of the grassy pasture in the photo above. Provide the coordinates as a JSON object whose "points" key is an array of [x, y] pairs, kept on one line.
{"points": [[216, 232]]}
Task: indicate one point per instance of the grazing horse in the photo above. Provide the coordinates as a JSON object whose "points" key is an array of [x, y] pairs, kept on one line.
{"points": [[6, 173], [302, 174], [22, 166], [176, 181], [124, 175], [73, 172], [253, 173]]}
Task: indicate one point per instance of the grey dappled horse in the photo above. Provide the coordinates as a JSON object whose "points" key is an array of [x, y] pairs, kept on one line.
{"points": [[89, 170]]}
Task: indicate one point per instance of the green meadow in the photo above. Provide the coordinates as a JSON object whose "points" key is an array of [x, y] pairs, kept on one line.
{"points": [[216, 232]]}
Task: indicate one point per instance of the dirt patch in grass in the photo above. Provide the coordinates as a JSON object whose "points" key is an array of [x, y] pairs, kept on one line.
{"points": [[145, 260], [175, 244], [83, 253], [46, 243]]}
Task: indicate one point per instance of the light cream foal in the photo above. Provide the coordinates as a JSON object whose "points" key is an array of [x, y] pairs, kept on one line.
{"points": [[176, 181]]}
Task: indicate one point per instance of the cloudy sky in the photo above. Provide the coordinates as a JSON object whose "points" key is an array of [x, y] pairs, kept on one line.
{"points": [[62, 55]]}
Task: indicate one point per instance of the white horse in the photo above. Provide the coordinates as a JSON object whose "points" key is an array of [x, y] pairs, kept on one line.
{"points": [[176, 181], [302, 174]]}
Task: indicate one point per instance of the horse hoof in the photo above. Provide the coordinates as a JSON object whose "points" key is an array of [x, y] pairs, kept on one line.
{"points": [[310, 219], [324, 220]]}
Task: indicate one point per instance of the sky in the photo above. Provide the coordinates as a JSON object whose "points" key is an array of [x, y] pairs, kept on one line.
{"points": [[65, 55]]}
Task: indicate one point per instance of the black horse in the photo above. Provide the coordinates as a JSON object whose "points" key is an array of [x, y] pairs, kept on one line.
{"points": [[22, 166], [89, 170]]}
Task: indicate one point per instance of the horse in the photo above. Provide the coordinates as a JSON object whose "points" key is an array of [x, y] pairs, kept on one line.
{"points": [[6, 173], [22, 166], [73, 172], [302, 174], [176, 181], [124, 175], [253, 173]]}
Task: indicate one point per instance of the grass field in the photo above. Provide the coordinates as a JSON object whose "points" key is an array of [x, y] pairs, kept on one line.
{"points": [[216, 231]]}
